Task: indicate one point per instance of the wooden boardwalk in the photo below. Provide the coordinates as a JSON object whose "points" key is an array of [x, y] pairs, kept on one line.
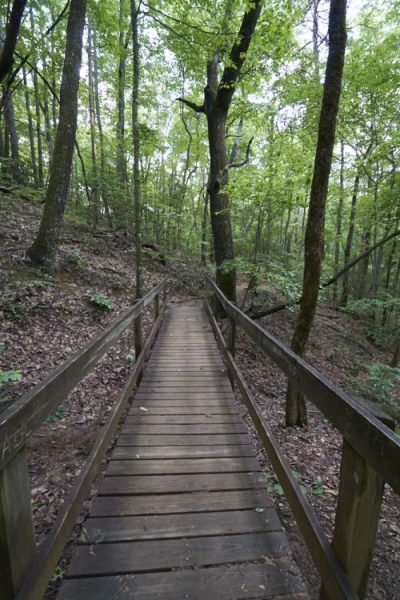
{"points": [[182, 511]]}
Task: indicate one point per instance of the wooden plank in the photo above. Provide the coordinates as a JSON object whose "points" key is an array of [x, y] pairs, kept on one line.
{"points": [[185, 396], [159, 409], [17, 539], [167, 452], [181, 466], [199, 419], [42, 568], [140, 439], [373, 440], [135, 557], [158, 527], [106, 506], [207, 429], [181, 405], [27, 413], [277, 578], [162, 484]]}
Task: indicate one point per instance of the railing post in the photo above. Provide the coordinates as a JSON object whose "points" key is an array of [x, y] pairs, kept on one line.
{"points": [[156, 307], [357, 513], [17, 538], [231, 336], [138, 333]]}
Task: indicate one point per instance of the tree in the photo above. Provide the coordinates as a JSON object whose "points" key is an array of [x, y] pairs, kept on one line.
{"points": [[45, 246], [10, 41], [217, 100], [314, 240]]}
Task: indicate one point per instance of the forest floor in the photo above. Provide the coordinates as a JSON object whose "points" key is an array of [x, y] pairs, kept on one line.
{"points": [[45, 319]]}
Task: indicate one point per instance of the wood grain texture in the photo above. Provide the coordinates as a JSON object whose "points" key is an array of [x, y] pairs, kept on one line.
{"points": [[183, 507]]}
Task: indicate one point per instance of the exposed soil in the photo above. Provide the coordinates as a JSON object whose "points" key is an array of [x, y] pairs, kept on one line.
{"points": [[46, 319]]}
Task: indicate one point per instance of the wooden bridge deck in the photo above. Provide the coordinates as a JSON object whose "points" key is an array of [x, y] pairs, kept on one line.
{"points": [[182, 511]]}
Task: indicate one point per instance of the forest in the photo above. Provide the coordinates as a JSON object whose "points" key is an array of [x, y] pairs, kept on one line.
{"points": [[253, 141]]}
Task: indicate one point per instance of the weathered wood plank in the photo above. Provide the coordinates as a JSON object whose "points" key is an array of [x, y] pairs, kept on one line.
{"points": [[168, 452], [203, 410], [197, 419], [207, 429], [17, 539], [242, 582], [182, 440], [135, 557], [181, 466], [162, 484], [192, 502], [158, 527]]}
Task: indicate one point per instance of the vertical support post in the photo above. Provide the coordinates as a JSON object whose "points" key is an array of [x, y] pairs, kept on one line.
{"points": [[165, 292], [231, 336], [357, 513], [17, 538], [156, 307], [138, 333], [230, 344]]}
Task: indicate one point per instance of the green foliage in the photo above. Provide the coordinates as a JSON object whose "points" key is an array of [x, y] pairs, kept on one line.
{"points": [[75, 257], [381, 316], [58, 574], [380, 385], [101, 301], [56, 416], [9, 376]]}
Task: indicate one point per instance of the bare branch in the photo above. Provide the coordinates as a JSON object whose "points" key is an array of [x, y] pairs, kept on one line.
{"points": [[196, 107], [243, 162]]}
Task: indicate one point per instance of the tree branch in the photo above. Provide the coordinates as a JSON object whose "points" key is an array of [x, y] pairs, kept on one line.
{"points": [[243, 162], [350, 265], [196, 107]]}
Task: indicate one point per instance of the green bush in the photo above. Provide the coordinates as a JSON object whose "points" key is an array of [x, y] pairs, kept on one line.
{"points": [[381, 316], [9, 376], [101, 301]]}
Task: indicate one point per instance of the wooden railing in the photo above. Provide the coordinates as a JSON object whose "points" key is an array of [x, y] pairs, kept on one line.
{"points": [[370, 457], [22, 574]]}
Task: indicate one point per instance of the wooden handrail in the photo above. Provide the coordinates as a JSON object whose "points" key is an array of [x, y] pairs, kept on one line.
{"points": [[373, 440], [21, 575], [370, 456], [327, 563], [25, 415]]}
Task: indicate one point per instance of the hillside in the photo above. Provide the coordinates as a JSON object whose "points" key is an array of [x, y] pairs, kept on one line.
{"points": [[47, 318]]}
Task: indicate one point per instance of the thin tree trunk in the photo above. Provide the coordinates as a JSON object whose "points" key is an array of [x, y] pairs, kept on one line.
{"points": [[103, 185], [95, 197], [349, 241], [136, 167], [339, 220], [30, 129], [9, 119], [44, 249], [314, 241]]}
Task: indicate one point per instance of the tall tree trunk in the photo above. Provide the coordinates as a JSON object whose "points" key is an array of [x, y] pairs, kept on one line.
{"points": [[11, 132], [136, 166], [45, 246], [121, 204], [103, 185], [338, 237], [30, 128], [95, 195], [314, 241], [217, 100], [349, 241], [10, 41]]}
